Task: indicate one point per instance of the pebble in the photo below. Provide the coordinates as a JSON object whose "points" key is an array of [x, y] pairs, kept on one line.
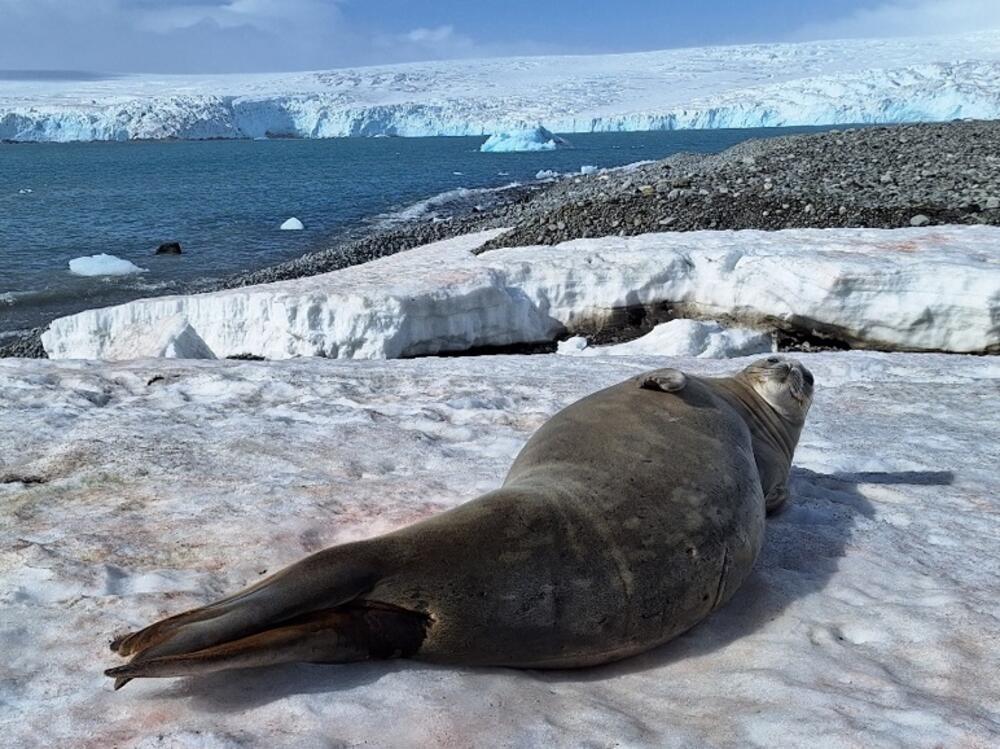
{"points": [[919, 220]]}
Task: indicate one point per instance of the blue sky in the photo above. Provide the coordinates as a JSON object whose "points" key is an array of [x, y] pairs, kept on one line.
{"points": [[269, 35]]}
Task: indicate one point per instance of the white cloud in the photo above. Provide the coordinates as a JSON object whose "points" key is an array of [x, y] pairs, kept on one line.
{"points": [[909, 18], [432, 36], [182, 36]]}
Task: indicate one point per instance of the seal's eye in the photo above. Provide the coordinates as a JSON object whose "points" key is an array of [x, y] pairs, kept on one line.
{"points": [[773, 359]]}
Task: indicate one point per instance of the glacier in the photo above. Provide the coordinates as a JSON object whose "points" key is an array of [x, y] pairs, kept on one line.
{"points": [[533, 139], [761, 85], [895, 289], [133, 491]]}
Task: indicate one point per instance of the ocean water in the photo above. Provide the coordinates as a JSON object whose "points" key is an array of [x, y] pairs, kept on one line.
{"points": [[224, 201]]}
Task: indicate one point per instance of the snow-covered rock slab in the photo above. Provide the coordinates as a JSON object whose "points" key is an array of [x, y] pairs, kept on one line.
{"points": [[920, 289], [131, 491], [707, 340], [761, 85]]}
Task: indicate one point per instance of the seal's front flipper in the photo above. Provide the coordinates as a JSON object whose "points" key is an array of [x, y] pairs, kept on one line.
{"points": [[664, 380], [775, 499], [364, 631]]}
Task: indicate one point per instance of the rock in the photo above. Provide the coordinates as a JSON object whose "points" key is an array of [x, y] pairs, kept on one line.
{"points": [[919, 220], [168, 248], [992, 203], [292, 224]]}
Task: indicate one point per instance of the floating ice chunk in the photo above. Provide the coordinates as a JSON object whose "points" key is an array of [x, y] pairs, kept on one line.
{"points": [[292, 224], [536, 139], [546, 174], [25, 191], [705, 340], [588, 169], [102, 265]]}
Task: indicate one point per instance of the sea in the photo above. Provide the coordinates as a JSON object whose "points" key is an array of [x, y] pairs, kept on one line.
{"points": [[225, 200]]}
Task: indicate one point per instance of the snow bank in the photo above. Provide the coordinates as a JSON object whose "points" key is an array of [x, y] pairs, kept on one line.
{"points": [[534, 139], [761, 85], [129, 492], [103, 265], [690, 338], [919, 289], [292, 224]]}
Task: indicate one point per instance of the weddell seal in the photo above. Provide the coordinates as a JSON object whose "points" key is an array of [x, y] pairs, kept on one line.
{"points": [[625, 520]]}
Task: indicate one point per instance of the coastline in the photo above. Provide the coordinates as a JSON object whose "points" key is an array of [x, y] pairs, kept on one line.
{"points": [[872, 177]]}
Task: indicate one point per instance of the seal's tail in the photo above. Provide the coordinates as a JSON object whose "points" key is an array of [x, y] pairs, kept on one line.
{"points": [[362, 631]]}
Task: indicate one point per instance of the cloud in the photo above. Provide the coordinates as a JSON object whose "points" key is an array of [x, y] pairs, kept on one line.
{"points": [[909, 18], [176, 36], [440, 42], [213, 36]]}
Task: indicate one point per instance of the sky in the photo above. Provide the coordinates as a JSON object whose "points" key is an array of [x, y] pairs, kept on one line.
{"points": [[215, 36]]}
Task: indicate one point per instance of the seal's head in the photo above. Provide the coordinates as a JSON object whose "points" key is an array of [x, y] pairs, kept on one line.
{"points": [[784, 384]]}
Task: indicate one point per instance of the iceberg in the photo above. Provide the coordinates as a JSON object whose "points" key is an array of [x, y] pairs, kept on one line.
{"points": [[103, 265], [292, 224], [535, 139], [933, 78], [893, 289], [132, 491]]}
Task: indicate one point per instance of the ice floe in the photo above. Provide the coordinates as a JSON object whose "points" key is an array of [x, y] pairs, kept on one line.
{"points": [[132, 491], [103, 265], [532, 139], [911, 289], [292, 224]]}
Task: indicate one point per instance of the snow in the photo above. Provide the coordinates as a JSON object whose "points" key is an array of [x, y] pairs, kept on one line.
{"points": [[760, 85], [688, 338], [103, 265], [133, 491], [292, 224], [915, 289], [533, 139]]}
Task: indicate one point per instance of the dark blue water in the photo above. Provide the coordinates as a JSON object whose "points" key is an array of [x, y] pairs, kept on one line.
{"points": [[224, 201]]}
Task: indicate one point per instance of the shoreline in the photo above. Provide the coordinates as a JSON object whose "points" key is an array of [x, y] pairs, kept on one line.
{"points": [[871, 177]]}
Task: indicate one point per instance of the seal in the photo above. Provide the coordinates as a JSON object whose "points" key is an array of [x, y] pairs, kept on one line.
{"points": [[625, 520]]}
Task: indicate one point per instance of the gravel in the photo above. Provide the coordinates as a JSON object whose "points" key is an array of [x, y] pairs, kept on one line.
{"points": [[880, 177]]}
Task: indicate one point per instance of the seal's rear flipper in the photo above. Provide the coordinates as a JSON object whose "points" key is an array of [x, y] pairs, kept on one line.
{"points": [[366, 630], [323, 581]]}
